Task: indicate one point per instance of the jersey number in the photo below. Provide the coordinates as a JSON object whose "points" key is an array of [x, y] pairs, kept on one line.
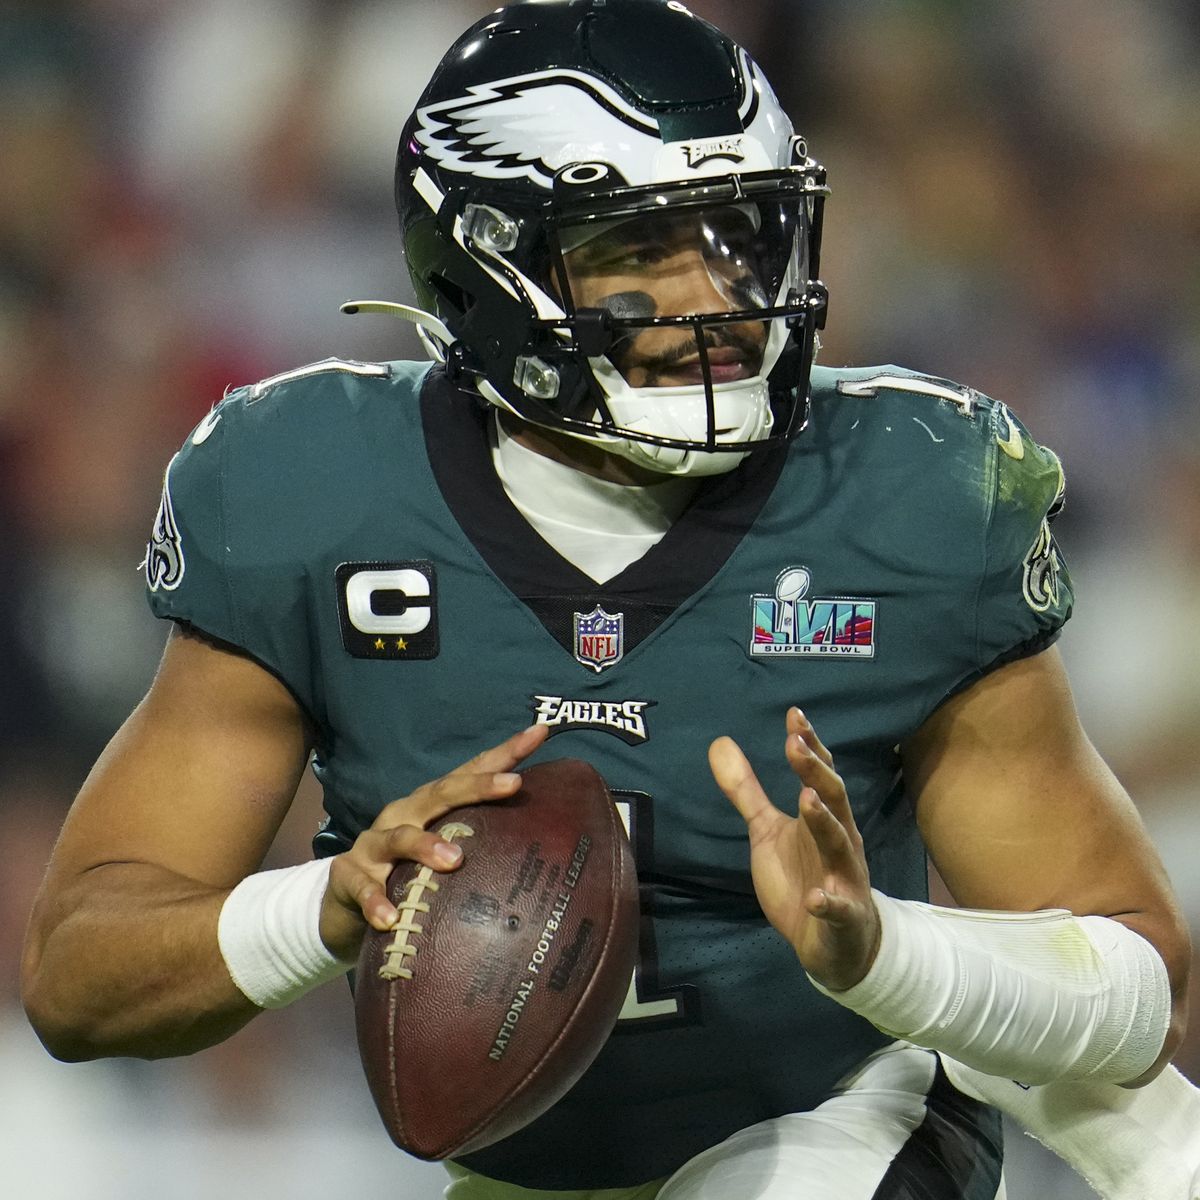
{"points": [[647, 1003]]}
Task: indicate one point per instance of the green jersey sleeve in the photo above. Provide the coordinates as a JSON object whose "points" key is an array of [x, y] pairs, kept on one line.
{"points": [[1025, 593], [221, 560]]}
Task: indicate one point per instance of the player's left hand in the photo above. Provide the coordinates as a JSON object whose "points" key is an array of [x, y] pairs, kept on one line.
{"points": [[809, 871]]}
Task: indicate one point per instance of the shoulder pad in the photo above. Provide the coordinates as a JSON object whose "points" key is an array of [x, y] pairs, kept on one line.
{"points": [[900, 411], [912, 384], [1025, 463], [333, 387], [327, 366]]}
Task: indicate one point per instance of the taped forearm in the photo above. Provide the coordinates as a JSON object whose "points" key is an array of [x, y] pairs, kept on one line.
{"points": [[269, 934], [1030, 996]]}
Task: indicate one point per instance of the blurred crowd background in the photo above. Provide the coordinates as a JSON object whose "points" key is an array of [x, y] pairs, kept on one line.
{"points": [[188, 190]]}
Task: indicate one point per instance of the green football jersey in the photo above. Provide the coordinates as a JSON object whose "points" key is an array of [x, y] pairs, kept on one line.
{"points": [[343, 525]]}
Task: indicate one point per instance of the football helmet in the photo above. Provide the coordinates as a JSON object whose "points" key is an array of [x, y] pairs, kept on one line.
{"points": [[608, 217]]}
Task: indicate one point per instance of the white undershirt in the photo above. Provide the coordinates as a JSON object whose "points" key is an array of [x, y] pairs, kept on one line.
{"points": [[597, 525]]}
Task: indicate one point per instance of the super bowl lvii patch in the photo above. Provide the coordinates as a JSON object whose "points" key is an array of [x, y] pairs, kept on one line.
{"points": [[785, 622]]}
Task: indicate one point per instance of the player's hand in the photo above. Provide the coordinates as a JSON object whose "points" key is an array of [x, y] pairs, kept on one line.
{"points": [[809, 871], [357, 893]]}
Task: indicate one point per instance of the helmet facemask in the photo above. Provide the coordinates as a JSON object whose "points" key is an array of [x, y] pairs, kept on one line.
{"points": [[685, 291], [673, 325]]}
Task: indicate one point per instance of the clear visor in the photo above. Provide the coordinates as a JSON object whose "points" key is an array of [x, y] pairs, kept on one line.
{"points": [[727, 261]]}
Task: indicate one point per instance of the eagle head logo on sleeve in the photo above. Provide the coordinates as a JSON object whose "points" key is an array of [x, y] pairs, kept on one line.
{"points": [[164, 552]]}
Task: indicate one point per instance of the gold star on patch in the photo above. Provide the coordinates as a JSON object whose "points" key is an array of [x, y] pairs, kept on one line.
{"points": [[380, 644], [401, 644]]}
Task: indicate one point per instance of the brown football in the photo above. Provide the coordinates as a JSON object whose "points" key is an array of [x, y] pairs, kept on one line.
{"points": [[502, 979]]}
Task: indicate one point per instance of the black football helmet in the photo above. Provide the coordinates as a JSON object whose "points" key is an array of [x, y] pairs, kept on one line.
{"points": [[553, 125]]}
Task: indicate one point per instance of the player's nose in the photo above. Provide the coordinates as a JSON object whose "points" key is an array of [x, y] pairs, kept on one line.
{"points": [[696, 287], [693, 287]]}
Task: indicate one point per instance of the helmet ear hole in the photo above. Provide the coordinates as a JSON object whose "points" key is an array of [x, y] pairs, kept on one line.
{"points": [[451, 294]]}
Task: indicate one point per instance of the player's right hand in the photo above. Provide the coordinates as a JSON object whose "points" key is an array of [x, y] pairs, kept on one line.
{"points": [[810, 871], [357, 897]]}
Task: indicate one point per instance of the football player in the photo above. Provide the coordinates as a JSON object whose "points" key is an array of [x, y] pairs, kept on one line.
{"points": [[624, 502]]}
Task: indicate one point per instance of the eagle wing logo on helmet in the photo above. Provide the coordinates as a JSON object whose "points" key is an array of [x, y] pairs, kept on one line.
{"points": [[531, 126]]}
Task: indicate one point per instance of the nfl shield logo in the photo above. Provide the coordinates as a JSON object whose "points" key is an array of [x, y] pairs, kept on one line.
{"points": [[599, 638]]}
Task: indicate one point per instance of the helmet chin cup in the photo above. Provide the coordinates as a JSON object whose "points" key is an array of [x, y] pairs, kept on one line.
{"points": [[668, 460], [737, 413]]}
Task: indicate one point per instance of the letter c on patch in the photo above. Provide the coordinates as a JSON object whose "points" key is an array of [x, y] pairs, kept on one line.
{"points": [[405, 592]]}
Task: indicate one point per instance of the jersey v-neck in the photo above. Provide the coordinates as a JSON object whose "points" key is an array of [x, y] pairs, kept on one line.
{"points": [[647, 592], [600, 525]]}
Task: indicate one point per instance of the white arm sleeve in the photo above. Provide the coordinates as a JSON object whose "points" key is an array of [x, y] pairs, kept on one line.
{"points": [[1036, 996]]}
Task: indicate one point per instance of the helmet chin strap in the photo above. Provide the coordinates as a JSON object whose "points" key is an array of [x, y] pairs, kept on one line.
{"points": [[667, 460]]}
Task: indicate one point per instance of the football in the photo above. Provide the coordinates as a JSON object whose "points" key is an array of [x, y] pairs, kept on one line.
{"points": [[502, 979]]}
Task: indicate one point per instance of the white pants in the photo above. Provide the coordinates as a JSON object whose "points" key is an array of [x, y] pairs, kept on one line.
{"points": [[895, 1130], [850, 1147]]}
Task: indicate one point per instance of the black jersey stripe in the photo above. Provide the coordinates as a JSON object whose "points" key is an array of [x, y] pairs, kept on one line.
{"points": [[648, 591]]}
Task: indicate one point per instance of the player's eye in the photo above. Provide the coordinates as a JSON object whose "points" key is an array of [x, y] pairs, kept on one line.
{"points": [[618, 257], [644, 254]]}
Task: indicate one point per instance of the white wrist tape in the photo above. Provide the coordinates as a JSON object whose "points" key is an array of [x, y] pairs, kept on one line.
{"points": [[270, 937], [1128, 1143], [1036, 996]]}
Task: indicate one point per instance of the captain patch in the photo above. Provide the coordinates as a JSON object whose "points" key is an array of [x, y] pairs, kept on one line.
{"points": [[388, 610]]}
